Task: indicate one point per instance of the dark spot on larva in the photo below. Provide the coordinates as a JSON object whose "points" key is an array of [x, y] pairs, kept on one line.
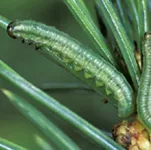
{"points": [[23, 41], [10, 29], [105, 101], [30, 43], [37, 47]]}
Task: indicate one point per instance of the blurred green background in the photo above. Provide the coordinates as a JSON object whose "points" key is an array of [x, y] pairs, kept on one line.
{"points": [[38, 70]]}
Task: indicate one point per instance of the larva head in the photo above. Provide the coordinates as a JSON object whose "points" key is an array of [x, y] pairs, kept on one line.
{"points": [[147, 35], [15, 28], [10, 29]]}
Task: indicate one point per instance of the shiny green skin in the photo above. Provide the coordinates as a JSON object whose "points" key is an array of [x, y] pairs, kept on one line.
{"points": [[79, 60], [144, 92]]}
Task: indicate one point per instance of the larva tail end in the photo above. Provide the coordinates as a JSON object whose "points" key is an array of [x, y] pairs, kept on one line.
{"points": [[10, 29]]}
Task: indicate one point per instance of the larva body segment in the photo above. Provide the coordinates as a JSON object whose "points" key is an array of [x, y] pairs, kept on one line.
{"points": [[85, 64], [144, 92]]}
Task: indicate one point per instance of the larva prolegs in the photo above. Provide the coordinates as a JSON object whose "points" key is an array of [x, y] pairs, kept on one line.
{"points": [[124, 107], [77, 59]]}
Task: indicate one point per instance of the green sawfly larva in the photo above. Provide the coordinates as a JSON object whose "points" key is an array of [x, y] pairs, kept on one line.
{"points": [[144, 92], [77, 59]]}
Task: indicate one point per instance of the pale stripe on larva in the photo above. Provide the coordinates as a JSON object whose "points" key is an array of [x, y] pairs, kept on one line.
{"points": [[144, 92], [85, 64]]}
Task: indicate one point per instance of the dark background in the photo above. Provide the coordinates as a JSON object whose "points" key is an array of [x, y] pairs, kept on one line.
{"points": [[38, 70]]}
